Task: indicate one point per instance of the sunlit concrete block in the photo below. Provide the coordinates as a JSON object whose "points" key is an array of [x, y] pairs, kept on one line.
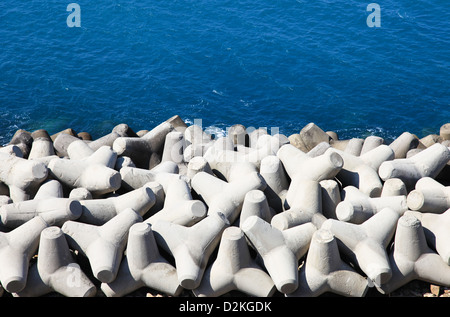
{"points": [[93, 172], [102, 245], [429, 196], [312, 135], [370, 143], [362, 171], [403, 143], [120, 130], [331, 197], [17, 247], [135, 177], [179, 207], [394, 187], [22, 176], [411, 258], [140, 149], [299, 164], [192, 246], [100, 211], [226, 197], [356, 207], [198, 164], [279, 250], [41, 147], [365, 244], [436, 229], [143, 266], [255, 204], [277, 181], [56, 270], [303, 201], [325, 271], [427, 163], [234, 269]]}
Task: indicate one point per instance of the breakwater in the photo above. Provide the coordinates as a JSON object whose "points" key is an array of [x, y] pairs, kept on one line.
{"points": [[177, 211]]}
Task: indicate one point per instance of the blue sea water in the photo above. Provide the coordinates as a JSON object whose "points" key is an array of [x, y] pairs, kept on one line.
{"points": [[281, 63]]}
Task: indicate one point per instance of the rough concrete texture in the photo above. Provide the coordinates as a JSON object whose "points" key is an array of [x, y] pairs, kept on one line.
{"points": [[279, 250], [411, 257], [191, 246], [429, 196], [179, 207], [172, 210], [103, 245], [325, 271], [56, 269], [234, 269], [142, 266], [17, 247]]}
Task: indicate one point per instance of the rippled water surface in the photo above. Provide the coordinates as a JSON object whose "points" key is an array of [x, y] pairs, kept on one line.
{"points": [[259, 63]]}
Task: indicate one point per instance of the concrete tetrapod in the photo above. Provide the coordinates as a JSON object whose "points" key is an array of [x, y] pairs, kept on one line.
{"points": [[370, 143], [142, 266], [78, 150], [429, 196], [255, 204], [90, 173], [51, 188], [135, 177], [279, 250], [427, 163], [23, 140], [266, 145], [179, 207], [403, 143], [192, 246], [41, 147], [194, 134], [357, 207], [140, 149], [226, 197], [365, 244], [102, 245], [303, 201], [120, 130], [234, 269], [197, 164], [55, 211], [22, 176], [99, 211], [300, 164], [62, 141], [436, 229], [411, 258], [222, 162], [325, 271], [362, 171], [394, 187], [56, 270], [12, 150], [47, 203], [331, 197], [174, 146], [17, 247], [272, 170], [311, 135]]}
